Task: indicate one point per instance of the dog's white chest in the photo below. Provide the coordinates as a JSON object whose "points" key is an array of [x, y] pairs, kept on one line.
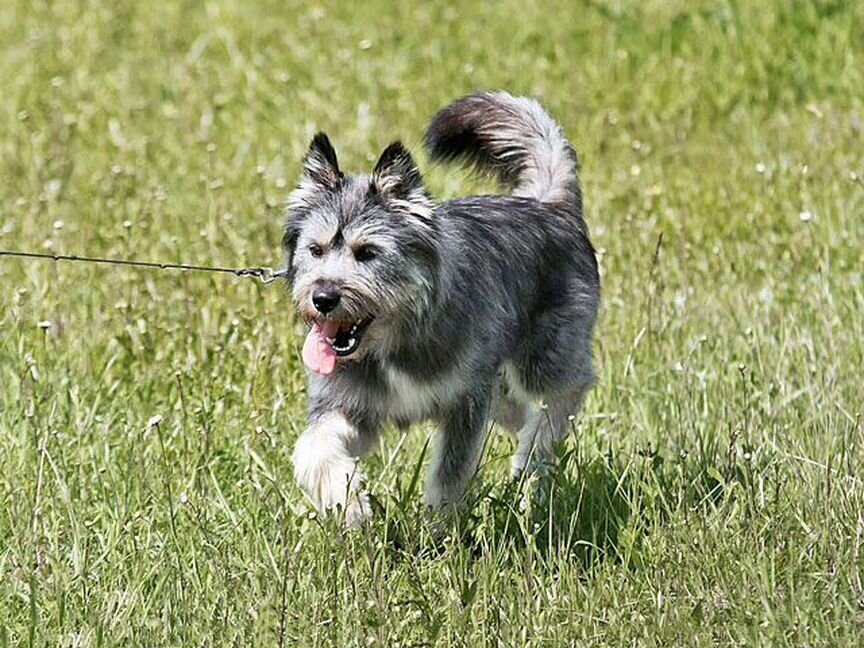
{"points": [[413, 400]]}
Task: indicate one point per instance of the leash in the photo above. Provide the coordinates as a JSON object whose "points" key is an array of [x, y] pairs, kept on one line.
{"points": [[263, 274]]}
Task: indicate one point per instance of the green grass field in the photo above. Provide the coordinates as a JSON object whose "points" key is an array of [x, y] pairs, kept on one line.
{"points": [[713, 491]]}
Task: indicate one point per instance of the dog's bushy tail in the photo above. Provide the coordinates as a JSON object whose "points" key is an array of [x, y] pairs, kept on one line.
{"points": [[512, 137]]}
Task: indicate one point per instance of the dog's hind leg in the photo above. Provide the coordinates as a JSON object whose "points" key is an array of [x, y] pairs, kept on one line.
{"points": [[325, 465], [509, 411], [553, 368], [545, 426], [457, 449]]}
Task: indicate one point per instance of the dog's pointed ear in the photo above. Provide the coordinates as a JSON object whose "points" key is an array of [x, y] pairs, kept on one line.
{"points": [[321, 166], [397, 176], [320, 172]]}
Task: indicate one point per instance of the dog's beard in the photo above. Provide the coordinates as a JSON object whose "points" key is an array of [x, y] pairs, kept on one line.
{"points": [[351, 336], [336, 335], [373, 317]]}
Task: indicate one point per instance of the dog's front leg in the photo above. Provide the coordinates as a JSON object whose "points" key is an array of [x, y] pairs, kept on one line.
{"points": [[457, 448], [325, 465]]}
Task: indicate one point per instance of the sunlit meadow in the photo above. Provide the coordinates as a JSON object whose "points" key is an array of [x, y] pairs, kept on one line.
{"points": [[713, 490]]}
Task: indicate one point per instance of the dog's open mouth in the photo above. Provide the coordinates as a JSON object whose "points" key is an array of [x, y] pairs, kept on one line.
{"points": [[329, 340], [346, 339]]}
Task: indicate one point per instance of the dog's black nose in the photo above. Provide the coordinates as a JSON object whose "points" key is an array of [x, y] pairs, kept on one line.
{"points": [[325, 299]]}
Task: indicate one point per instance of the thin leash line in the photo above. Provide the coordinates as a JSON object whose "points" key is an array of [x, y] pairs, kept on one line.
{"points": [[265, 275]]}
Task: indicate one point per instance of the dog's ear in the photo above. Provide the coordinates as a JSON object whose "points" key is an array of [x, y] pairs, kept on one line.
{"points": [[321, 166], [320, 172], [397, 176]]}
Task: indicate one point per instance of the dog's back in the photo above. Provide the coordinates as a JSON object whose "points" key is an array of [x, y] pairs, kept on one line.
{"points": [[544, 279]]}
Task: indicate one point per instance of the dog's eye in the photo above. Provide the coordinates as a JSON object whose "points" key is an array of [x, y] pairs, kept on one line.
{"points": [[316, 251], [365, 253]]}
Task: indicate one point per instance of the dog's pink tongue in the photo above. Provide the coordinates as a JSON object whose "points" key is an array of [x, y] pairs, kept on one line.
{"points": [[317, 352]]}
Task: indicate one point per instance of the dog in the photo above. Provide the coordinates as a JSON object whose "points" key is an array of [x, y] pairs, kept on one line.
{"points": [[453, 311]]}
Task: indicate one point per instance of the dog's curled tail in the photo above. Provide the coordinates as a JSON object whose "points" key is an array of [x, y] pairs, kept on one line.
{"points": [[513, 137]]}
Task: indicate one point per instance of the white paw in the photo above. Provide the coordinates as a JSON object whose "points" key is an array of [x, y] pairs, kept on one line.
{"points": [[329, 476], [434, 495], [357, 511]]}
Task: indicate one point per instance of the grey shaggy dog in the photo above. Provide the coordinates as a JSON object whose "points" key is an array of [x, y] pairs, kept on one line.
{"points": [[454, 312]]}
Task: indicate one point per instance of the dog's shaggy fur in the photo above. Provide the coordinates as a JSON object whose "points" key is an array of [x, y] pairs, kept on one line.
{"points": [[453, 312]]}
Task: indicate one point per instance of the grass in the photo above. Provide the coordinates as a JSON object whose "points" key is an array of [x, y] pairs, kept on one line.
{"points": [[713, 493]]}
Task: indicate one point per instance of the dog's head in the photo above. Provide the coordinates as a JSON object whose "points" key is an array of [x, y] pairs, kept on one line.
{"points": [[360, 251]]}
